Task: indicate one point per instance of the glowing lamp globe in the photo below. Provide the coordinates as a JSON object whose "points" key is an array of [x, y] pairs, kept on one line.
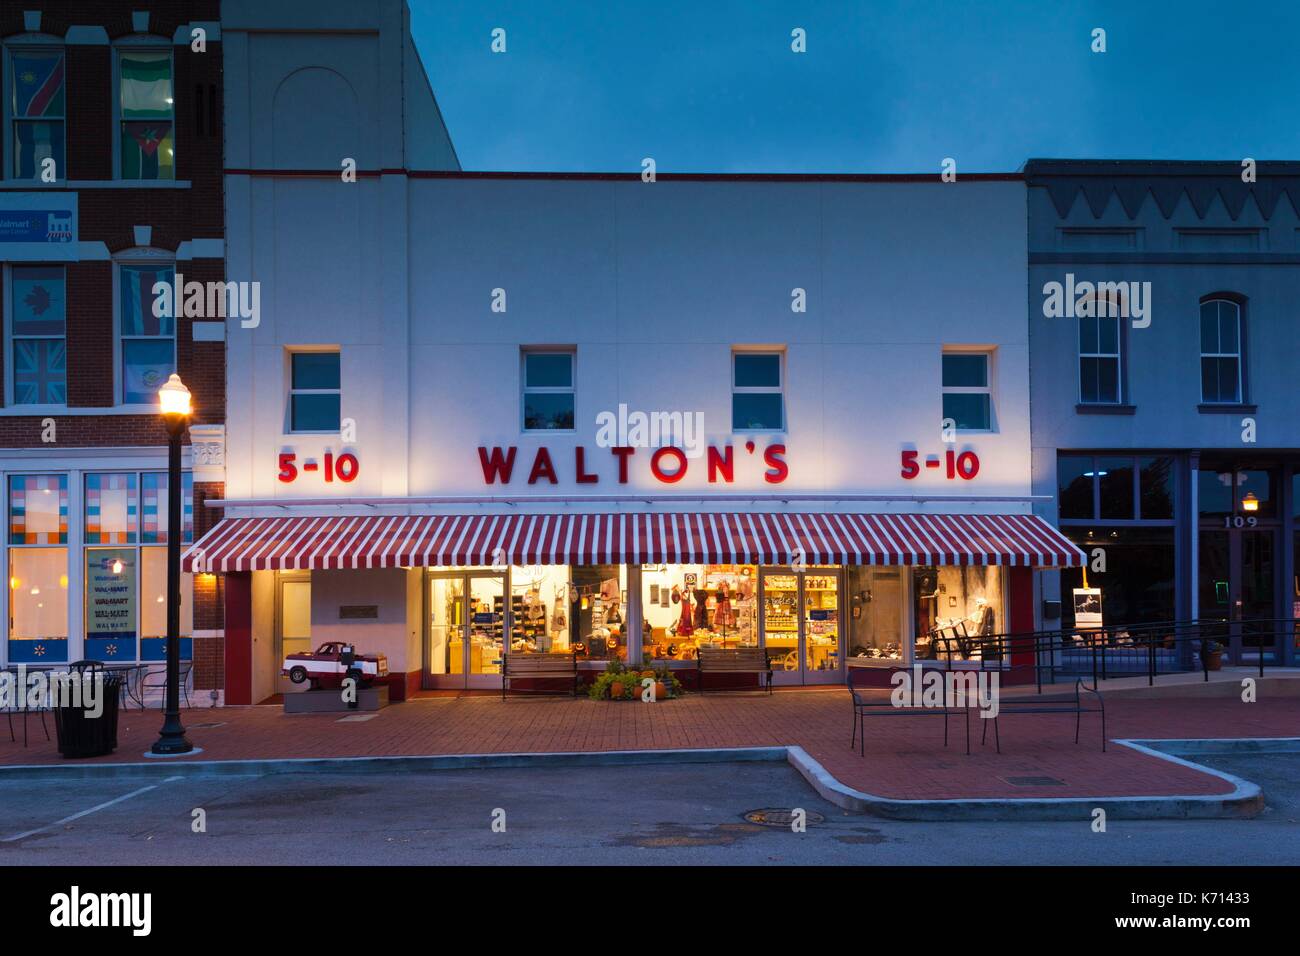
{"points": [[174, 397]]}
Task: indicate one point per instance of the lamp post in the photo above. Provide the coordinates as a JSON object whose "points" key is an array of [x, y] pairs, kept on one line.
{"points": [[174, 402]]}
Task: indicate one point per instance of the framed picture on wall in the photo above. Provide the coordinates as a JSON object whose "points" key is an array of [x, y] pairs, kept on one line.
{"points": [[654, 594]]}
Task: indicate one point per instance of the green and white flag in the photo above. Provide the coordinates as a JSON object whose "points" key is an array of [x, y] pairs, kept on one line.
{"points": [[146, 85]]}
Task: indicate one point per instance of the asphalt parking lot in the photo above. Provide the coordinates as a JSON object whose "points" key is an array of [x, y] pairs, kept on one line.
{"points": [[650, 815]]}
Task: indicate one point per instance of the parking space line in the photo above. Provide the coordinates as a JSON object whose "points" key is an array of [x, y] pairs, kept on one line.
{"points": [[78, 816]]}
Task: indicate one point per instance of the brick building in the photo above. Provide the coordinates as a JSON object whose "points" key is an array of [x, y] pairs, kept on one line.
{"points": [[112, 183]]}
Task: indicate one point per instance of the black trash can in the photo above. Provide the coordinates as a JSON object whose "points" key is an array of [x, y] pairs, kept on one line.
{"points": [[80, 733]]}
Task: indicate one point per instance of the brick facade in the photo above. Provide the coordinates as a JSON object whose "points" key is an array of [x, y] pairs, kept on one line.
{"points": [[190, 208]]}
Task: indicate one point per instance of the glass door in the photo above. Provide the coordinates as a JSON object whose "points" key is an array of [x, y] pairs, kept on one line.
{"points": [[1257, 630], [821, 626], [466, 624], [778, 591], [293, 628], [1238, 586], [801, 624]]}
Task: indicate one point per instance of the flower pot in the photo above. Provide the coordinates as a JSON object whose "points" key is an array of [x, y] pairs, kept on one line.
{"points": [[1213, 660]]}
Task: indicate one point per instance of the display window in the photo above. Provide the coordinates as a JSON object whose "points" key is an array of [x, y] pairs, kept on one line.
{"points": [[38, 605], [688, 606], [569, 608], [875, 614], [955, 610]]}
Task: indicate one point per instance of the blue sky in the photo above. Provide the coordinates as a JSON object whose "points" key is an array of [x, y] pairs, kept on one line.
{"points": [[885, 86]]}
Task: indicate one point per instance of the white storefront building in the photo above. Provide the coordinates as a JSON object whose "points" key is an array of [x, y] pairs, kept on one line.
{"points": [[426, 332]]}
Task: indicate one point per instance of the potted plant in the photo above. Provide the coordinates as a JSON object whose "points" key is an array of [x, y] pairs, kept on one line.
{"points": [[1211, 655], [620, 682]]}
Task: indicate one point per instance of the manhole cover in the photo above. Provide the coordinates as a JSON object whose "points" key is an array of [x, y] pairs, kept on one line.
{"points": [[1034, 781], [208, 726], [773, 817]]}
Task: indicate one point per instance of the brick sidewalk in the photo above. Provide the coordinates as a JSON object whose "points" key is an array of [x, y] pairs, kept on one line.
{"points": [[905, 757]]}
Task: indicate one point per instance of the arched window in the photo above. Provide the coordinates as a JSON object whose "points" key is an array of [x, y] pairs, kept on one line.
{"points": [[1101, 378], [1221, 351], [37, 107]]}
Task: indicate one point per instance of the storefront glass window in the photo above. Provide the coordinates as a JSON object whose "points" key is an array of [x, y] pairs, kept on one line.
{"points": [[875, 603], [688, 606], [112, 508], [1115, 479], [1157, 487], [38, 605], [1137, 585], [1249, 492], [38, 509], [954, 609], [153, 606], [153, 526], [111, 604], [563, 608], [1074, 474]]}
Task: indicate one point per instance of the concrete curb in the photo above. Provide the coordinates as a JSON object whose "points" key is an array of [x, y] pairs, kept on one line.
{"points": [[388, 764], [1245, 801]]}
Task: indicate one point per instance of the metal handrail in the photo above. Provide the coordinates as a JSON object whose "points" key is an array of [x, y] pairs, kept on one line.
{"points": [[1182, 638]]}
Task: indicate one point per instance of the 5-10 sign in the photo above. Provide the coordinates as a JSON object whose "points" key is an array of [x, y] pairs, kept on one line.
{"points": [[345, 467], [965, 465]]}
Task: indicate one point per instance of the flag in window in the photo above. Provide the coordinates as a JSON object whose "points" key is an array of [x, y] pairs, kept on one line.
{"points": [[38, 300], [40, 372], [147, 150], [146, 91], [35, 142], [136, 285], [146, 364], [37, 84]]}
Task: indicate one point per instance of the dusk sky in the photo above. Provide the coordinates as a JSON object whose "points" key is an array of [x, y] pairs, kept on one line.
{"points": [[885, 85]]}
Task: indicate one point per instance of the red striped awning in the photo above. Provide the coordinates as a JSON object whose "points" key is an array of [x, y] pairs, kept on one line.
{"points": [[372, 541]]}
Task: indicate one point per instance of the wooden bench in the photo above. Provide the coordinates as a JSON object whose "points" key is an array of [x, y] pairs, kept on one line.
{"points": [[733, 660], [551, 665], [1063, 703]]}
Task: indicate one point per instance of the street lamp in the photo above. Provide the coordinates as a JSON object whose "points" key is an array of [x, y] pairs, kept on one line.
{"points": [[174, 403]]}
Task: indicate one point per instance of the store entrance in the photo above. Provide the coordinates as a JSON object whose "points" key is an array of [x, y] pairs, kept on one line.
{"points": [[1238, 570], [801, 624], [292, 625], [466, 621]]}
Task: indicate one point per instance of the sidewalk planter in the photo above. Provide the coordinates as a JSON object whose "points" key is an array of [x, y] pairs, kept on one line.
{"points": [[1212, 656], [620, 682], [82, 735]]}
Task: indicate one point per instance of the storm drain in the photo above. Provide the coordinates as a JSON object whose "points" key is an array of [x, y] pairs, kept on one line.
{"points": [[208, 726], [774, 817], [1034, 781]]}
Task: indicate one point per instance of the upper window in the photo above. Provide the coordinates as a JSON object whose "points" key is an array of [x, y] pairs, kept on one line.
{"points": [[37, 334], [1099, 371], [147, 111], [967, 398], [315, 392], [148, 338], [757, 392], [1220, 352], [37, 106], [548, 392]]}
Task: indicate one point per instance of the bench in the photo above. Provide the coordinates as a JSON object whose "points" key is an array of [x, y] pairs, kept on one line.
{"points": [[549, 665], [864, 707], [1066, 703], [733, 660]]}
